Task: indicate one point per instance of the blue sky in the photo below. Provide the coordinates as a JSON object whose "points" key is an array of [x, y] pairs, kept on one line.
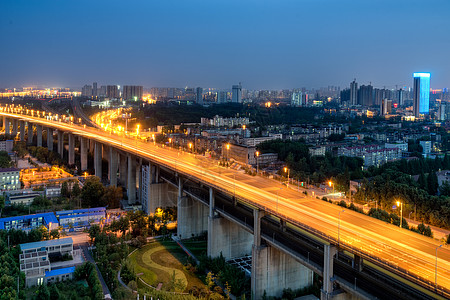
{"points": [[263, 44]]}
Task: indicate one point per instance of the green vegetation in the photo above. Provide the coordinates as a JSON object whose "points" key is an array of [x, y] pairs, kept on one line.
{"points": [[88, 272], [5, 160], [94, 194]]}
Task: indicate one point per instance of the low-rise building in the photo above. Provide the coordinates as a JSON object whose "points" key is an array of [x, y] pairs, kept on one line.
{"points": [[9, 179], [35, 261], [317, 151], [6, 145], [30, 222], [241, 153], [252, 142], [80, 217], [25, 196], [267, 158]]}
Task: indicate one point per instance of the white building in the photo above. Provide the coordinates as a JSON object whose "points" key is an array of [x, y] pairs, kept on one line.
{"points": [[426, 146], [9, 179], [317, 151], [6, 145], [256, 141]]}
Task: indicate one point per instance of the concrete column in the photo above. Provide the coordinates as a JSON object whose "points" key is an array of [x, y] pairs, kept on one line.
{"points": [[50, 139], [60, 143], [22, 131], [6, 125], [150, 173], [273, 271], [29, 133], [98, 159], [4, 122], [71, 158], [327, 289], [192, 217], [227, 237], [131, 179], [156, 174], [15, 125], [39, 135], [123, 170], [83, 153], [113, 164], [139, 180], [91, 146]]}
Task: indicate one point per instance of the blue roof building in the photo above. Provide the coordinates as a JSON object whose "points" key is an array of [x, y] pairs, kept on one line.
{"points": [[29, 222]]}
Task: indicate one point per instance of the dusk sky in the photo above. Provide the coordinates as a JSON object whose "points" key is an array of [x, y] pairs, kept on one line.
{"points": [[263, 44]]}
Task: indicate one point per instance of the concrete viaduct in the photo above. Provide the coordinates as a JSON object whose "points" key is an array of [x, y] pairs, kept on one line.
{"points": [[283, 255]]}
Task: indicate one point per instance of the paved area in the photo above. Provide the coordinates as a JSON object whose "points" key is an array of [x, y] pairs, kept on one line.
{"points": [[88, 257]]}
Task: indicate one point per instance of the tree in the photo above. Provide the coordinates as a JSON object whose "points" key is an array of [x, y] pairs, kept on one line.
{"points": [[92, 192], [112, 196], [5, 160], [94, 231], [43, 293], [2, 204], [65, 190], [444, 190], [54, 234], [432, 183], [76, 190]]}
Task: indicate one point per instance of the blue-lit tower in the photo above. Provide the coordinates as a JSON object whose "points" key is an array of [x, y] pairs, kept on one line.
{"points": [[421, 93]]}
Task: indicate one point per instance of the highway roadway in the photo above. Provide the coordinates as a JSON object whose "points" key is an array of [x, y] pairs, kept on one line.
{"points": [[389, 244]]}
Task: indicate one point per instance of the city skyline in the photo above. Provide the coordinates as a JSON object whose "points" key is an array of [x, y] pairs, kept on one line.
{"points": [[268, 45]]}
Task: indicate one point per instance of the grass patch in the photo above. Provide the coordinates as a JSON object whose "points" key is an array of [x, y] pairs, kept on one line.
{"points": [[197, 248], [159, 260]]}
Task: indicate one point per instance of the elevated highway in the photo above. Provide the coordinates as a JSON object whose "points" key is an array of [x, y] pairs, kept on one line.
{"points": [[401, 258]]}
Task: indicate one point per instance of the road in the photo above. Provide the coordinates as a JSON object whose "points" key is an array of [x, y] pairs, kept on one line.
{"points": [[388, 243]]}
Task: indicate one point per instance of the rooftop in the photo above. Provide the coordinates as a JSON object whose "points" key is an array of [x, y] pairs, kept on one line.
{"points": [[9, 170], [80, 211], [48, 218], [48, 243], [60, 271]]}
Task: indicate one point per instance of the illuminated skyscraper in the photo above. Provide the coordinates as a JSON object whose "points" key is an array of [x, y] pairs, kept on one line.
{"points": [[296, 99], [421, 93], [199, 96]]}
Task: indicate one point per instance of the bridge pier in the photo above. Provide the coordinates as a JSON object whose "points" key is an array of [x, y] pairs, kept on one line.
{"points": [[61, 143], [7, 125], [225, 236], [22, 131], [50, 139], [98, 160], [329, 251], [273, 270], [29, 133], [83, 153], [123, 173], [39, 135], [192, 216], [14, 130], [154, 195], [113, 164], [71, 156], [131, 179]]}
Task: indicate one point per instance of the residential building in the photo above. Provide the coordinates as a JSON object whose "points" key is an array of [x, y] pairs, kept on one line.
{"points": [[266, 159], [296, 99], [365, 95], [112, 92], [256, 141], [222, 97], [132, 92], [426, 147], [400, 145], [22, 196], [421, 104], [218, 121], [6, 145], [9, 179], [86, 90], [241, 153], [94, 89], [317, 151]]}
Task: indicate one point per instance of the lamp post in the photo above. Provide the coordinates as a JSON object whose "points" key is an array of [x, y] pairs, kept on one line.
{"points": [[401, 212], [228, 152], [339, 227], [286, 170], [435, 272], [190, 147], [330, 183], [257, 164]]}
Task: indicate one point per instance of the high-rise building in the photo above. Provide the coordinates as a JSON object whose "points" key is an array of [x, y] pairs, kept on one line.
{"points": [[199, 95], [236, 93], [132, 92], [400, 97], [112, 91], [221, 97], [365, 95], [102, 91], [296, 99], [353, 93], [442, 114], [86, 91], [386, 107], [94, 89], [421, 93]]}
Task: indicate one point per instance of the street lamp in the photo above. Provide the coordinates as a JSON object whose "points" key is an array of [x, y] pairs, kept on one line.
{"points": [[190, 147], [339, 227], [435, 272], [286, 170], [330, 183], [257, 166], [401, 212], [228, 152]]}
